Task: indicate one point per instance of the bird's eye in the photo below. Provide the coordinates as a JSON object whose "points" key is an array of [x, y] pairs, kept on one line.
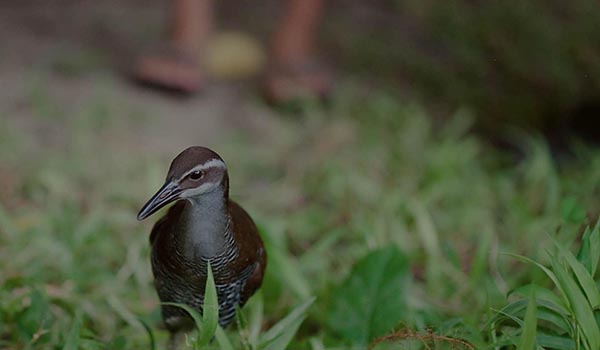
{"points": [[196, 175]]}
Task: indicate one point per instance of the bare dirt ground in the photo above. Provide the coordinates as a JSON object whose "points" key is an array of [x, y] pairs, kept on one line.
{"points": [[65, 61]]}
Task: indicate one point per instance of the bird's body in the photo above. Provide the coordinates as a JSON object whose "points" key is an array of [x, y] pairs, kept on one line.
{"points": [[181, 248], [203, 226]]}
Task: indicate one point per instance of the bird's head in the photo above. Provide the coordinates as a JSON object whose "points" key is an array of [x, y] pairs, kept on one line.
{"points": [[194, 172]]}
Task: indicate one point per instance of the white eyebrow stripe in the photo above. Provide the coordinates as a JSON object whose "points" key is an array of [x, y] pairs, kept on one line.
{"points": [[213, 163]]}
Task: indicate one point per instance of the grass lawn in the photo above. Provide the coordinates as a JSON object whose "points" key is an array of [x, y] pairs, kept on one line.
{"points": [[392, 224]]}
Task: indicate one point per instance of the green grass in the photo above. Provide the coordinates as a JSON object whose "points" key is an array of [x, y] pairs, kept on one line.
{"points": [[392, 223]]}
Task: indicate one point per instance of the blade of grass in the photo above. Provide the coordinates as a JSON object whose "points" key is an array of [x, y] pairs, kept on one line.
{"points": [[555, 342], [223, 340], [595, 248], [210, 308], [586, 281], [150, 333], [509, 311], [527, 339], [584, 254], [290, 273], [286, 323], [242, 325], [578, 302], [72, 342], [560, 322], [206, 323], [195, 315], [547, 271], [123, 311], [256, 309], [430, 239], [589, 253], [480, 264], [283, 339], [542, 294]]}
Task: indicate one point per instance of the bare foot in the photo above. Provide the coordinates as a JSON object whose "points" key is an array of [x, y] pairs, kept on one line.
{"points": [[306, 79], [170, 69]]}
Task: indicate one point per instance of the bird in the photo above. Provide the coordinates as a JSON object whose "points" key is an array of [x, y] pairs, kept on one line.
{"points": [[203, 226]]}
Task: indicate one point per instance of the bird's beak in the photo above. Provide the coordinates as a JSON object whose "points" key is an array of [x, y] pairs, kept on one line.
{"points": [[168, 193]]}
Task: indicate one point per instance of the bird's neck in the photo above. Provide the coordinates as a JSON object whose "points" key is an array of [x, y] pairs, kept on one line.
{"points": [[206, 225]]}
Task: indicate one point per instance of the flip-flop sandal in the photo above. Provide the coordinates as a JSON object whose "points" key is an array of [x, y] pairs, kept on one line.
{"points": [[285, 83], [171, 69]]}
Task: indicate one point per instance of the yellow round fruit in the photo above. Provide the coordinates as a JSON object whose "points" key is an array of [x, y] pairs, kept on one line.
{"points": [[233, 55]]}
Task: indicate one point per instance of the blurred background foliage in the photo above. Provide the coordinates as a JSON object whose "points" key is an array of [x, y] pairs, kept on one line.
{"points": [[391, 205], [530, 64]]}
